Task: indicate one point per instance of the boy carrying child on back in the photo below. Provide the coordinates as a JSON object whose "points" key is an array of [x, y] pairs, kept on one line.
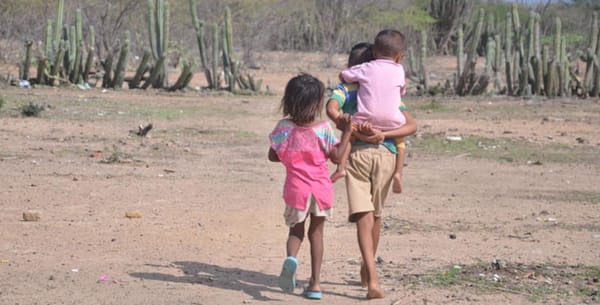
{"points": [[380, 80]]}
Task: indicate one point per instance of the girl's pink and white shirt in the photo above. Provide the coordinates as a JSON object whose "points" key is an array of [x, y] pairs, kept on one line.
{"points": [[304, 151]]}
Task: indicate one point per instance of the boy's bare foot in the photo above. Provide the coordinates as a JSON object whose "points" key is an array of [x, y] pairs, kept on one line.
{"points": [[364, 281], [337, 175], [397, 183], [375, 293]]}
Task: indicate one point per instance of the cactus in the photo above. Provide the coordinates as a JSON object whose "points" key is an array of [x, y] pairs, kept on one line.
{"points": [[141, 70], [58, 26], [199, 27], [539, 61], [411, 61], [590, 69], [184, 78], [422, 66], [566, 78], [56, 66], [27, 63], [460, 53], [77, 44], [107, 65], [498, 61], [48, 39], [90, 54], [490, 55], [119, 72], [508, 54], [154, 73], [215, 55], [596, 80], [158, 32], [468, 82]]}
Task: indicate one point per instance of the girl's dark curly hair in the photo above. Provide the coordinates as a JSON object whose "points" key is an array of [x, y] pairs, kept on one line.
{"points": [[302, 101]]}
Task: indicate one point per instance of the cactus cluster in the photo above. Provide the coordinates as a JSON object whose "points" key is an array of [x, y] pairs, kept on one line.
{"points": [[520, 65], [467, 81], [66, 58], [221, 55], [152, 70]]}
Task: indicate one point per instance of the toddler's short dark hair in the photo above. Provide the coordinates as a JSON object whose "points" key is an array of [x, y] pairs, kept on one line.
{"points": [[389, 43], [360, 53], [303, 98]]}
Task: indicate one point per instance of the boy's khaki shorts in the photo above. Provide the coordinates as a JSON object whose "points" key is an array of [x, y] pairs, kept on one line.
{"points": [[368, 179]]}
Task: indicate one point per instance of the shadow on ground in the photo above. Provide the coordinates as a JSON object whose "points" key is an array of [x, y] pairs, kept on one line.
{"points": [[252, 283]]}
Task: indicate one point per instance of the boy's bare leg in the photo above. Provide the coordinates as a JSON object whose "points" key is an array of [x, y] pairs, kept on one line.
{"points": [[315, 236], [397, 177], [366, 230], [340, 171], [363, 268]]}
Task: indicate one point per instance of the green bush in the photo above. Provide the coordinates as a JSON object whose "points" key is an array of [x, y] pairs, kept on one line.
{"points": [[32, 110], [1, 101]]}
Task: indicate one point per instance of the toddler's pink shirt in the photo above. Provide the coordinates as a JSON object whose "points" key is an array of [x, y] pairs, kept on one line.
{"points": [[381, 85]]}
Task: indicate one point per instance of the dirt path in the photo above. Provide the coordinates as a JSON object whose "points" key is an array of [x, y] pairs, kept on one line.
{"points": [[212, 232]]}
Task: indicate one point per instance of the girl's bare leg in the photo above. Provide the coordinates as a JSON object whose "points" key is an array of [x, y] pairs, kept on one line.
{"points": [[295, 238], [315, 236]]}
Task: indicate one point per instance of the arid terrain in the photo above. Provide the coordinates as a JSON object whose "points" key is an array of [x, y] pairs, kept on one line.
{"points": [[501, 201]]}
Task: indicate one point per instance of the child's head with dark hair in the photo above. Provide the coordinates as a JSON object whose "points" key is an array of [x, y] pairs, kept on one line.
{"points": [[389, 44], [360, 53], [303, 99]]}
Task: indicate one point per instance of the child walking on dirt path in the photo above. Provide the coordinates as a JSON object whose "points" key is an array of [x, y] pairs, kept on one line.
{"points": [[381, 86], [371, 166], [303, 143]]}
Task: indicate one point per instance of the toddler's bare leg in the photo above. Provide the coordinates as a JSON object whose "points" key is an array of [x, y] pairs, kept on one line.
{"points": [[340, 171]]}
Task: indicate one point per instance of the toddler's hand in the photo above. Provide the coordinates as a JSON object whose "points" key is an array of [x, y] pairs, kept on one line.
{"points": [[373, 135]]}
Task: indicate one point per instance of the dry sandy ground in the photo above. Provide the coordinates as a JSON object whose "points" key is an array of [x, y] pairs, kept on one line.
{"points": [[212, 230]]}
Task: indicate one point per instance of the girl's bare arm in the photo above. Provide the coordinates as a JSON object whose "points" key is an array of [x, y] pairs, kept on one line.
{"points": [[273, 155]]}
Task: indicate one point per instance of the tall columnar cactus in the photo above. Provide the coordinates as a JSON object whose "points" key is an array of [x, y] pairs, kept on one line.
{"points": [[199, 27], [58, 25], [422, 66], [566, 78], [490, 55], [588, 56], [460, 53], [27, 63], [596, 79], [498, 60], [539, 60], [228, 62], [556, 62], [508, 54], [77, 46], [141, 70], [467, 82], [158, 32], [530, 48], [119, 73], [90, 54], [215, 55]]}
